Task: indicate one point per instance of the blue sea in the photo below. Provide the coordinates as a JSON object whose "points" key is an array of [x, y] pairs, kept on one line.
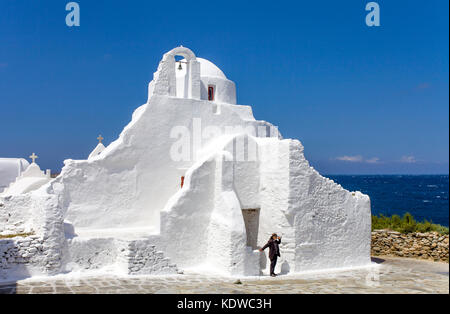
{"points": [[424, 196]]}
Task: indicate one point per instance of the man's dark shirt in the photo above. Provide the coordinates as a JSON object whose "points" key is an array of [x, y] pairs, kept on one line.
{"points": [[274, 249]]}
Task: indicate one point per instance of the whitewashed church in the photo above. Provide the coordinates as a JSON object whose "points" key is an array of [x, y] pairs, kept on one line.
{"points": [[193, 183]]}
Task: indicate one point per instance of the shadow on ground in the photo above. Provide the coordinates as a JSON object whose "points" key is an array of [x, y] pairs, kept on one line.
{"points": [[377, 260]]}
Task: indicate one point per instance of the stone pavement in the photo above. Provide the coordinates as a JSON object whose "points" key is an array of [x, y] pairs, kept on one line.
{"points": [[389, 275]]}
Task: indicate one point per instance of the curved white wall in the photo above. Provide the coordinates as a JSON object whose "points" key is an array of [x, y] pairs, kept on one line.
{"points": [[10, 169]]}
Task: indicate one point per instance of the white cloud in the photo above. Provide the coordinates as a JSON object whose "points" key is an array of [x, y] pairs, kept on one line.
{"points": [[357, 158], [408, 159]]}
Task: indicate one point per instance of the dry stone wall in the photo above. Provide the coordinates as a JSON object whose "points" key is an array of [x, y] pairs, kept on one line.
{"points": [[143, 258], [31, 236], [20, 255], [130, 256], [429, 245]]}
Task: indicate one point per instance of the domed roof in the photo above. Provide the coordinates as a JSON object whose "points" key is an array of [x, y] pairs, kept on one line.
{"points": [[207, 68]]}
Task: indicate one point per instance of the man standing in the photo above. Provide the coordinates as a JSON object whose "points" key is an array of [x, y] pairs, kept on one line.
{"points": [[274, 252]]}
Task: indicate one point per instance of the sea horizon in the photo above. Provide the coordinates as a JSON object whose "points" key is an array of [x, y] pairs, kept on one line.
{"points": [[426, 197]]}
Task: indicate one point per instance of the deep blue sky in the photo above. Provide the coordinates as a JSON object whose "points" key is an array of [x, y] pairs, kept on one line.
{"points": [[361, 100]]}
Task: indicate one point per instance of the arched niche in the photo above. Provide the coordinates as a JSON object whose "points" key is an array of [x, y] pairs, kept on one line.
{"points": [[167, 79]]}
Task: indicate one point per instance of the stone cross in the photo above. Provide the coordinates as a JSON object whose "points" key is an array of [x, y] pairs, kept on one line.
{"points": [[100, 138], [33, 157]]}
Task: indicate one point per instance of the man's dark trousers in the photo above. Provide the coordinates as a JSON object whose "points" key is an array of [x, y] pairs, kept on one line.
{"points": [[273, 262]]}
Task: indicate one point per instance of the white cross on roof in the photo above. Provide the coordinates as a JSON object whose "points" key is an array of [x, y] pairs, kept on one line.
{"points": [[33, 157]]}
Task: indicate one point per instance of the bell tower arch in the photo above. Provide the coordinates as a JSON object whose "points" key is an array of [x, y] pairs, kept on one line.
{"points": [[165, 82]]}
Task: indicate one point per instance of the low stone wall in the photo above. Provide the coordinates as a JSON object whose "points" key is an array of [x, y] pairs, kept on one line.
{"points": [[23, 257], [15, 216], [20, 255], [34, 230], [134, 257], [429, 245], [143, 258]]}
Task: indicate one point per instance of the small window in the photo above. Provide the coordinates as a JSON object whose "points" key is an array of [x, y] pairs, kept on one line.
{"points": [[211, 93]]}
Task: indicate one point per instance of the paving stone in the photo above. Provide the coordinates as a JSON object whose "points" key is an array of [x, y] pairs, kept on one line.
{"points": [[43, 290], [393, 275]]}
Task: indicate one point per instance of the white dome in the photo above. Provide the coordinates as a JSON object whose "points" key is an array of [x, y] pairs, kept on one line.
{"points": [[210, 75], [209, 69]]}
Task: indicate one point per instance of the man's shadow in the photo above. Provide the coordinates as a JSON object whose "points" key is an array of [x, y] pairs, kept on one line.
{"points": [[263, 264], [285, 268]]}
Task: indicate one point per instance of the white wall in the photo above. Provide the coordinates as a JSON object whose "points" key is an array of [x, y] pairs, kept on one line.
{"points": [[10, 169], [224, 90], [332, 225], [131, 181], [37, 213], [203, 224]]}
